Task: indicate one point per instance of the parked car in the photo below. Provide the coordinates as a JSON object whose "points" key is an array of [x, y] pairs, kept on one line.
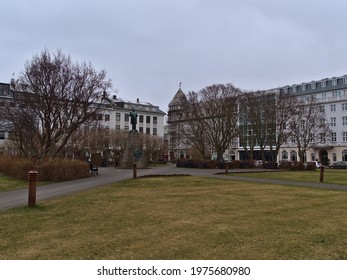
{"points": [[339, 165], [285, 164], [317, 164]]}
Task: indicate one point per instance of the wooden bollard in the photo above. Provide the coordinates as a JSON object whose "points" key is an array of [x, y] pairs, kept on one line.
{"points": [[226, 169], [134, 170], [32, 178], [321, 175]]}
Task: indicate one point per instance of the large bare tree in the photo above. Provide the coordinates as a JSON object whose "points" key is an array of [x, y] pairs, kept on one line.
{"points": [[54, 97], [211, 118], [308, 125]]}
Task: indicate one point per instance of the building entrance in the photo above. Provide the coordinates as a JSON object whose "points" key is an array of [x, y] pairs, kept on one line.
{"points": [[323, 157]]}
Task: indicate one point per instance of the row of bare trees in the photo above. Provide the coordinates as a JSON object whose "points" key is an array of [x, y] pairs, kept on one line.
{"points": [[214, 117], [111, 143]]}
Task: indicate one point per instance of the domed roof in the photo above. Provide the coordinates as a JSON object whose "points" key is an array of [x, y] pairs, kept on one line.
{"points": [[178, 99]]}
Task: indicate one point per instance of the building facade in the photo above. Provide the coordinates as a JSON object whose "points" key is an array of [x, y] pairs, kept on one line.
{"points": [[116, 115], [331, 96]]}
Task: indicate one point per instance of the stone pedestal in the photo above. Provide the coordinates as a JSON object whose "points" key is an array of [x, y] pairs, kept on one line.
{"points": [[133, 152]]}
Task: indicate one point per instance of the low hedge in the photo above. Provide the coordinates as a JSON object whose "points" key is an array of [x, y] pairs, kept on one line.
{"points": [[57, 169]]}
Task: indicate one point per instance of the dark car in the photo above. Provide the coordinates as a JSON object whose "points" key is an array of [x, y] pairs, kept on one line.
{"points": [[339, 165]]}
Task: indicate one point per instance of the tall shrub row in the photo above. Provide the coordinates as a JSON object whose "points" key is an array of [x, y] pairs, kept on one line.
{"points": [[57, 169]]}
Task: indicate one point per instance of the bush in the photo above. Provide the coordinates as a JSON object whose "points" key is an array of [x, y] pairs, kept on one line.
{"points": [[56, 169]]}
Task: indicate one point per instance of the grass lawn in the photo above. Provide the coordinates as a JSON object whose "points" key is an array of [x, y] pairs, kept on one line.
{"points": [[8, 183], [332, 176], [181, 218]]}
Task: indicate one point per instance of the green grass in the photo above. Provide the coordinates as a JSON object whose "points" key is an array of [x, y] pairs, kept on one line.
{"points": [[331, 176], [8, 183], [181, 218]]}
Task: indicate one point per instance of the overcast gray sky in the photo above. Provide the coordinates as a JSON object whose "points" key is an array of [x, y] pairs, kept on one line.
{"points": [[148, 46]]}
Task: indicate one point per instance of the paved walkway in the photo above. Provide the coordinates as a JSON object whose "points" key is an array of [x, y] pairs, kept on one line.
{"points": [[15, 198]]}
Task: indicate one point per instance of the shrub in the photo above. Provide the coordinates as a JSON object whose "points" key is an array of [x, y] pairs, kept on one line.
{"points": [[57, 169]]}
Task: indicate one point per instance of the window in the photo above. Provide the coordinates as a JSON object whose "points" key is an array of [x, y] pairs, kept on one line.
{"points": [[333, 121], [302, 124], [303, 87], [323, 84], [99, 117], [118, 127], [284, 155], [154, 131], [293, 156], [148, 130], [344, 121], [333, 137], [334, 157], [2, 135], [107, 118], [322, 137], [322, 109], [344, 136], [344, 106], [148, 119], [126, 117], [118, 117], [155, 120], [313, 85], [333, 108], [334, 82], [141, 129], [141, 119], [313, 157], [344, 155]]}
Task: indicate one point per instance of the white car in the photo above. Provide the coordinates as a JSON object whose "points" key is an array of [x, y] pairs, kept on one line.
{"points": [[315, 163]]}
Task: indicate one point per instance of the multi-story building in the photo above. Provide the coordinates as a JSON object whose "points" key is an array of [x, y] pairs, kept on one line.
{"points": [[116, 115], [330, 94]]}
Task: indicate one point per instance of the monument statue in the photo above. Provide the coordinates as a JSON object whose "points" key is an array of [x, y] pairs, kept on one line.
{"points": [[133, 151], [133, 119]]}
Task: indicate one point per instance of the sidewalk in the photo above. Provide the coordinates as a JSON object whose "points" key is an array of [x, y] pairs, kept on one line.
{"points": [[109, 175]]}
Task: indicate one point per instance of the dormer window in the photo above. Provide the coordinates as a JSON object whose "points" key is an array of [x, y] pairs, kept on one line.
{"points": [[303, 87], [334, 82], [323, 84], [313, 85]]}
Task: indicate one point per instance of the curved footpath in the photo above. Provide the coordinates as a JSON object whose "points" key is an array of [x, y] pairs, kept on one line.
{"points": [[108, 175]]}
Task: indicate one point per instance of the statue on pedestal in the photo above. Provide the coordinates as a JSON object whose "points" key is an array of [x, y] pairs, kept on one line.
{"points": [[133, 119]]}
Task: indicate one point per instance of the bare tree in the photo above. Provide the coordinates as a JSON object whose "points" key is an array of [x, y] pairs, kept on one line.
{"points": [[308, 125], [260, 109], [211, 118], [285, 106], [153, 146], [55, 97]]}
